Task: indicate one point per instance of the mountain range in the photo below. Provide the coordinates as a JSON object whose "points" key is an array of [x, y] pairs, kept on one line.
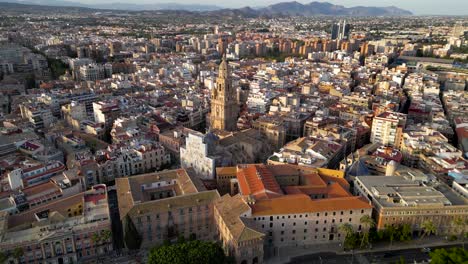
{"points": [[283, 9]]}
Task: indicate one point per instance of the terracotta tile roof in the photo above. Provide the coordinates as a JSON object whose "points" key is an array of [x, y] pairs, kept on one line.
{"points": [[257, 180], [230, 209], [301, 203]]}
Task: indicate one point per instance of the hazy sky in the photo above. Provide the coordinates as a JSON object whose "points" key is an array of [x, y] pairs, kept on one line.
{"points": [[419, 7]]}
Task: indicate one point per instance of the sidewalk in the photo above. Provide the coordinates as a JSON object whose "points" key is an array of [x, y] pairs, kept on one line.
{"points": [[287, 253]]}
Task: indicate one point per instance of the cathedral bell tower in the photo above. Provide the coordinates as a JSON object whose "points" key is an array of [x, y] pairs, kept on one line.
{"points": [[224, 108]]}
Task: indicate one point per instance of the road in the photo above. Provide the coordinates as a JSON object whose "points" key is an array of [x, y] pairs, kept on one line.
{"points": [[117, 231], [381, 257]]}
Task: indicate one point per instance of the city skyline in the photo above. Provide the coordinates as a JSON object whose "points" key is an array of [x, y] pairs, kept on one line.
{"points": [[418, 7]]}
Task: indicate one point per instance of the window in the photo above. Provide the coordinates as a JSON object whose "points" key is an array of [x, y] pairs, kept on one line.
{"points": [[305, 230], [294, 231], [282, 232]]}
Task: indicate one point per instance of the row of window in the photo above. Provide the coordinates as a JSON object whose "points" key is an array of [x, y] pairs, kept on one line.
{"points": [[300, 216], [316, 222]]}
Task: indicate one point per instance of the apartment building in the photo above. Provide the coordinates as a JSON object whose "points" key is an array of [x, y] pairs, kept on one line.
{"points": [[387, 128], [61, 231]]}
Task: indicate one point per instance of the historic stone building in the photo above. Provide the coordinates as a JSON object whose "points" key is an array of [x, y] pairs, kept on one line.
{"points": [[224, 108]]}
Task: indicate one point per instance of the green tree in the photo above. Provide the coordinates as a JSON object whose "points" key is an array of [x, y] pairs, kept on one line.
{"points": [[390, 232], [427, 228], [351, 239], [95, 238], [18, 253], [106, 235], [188, 252], [181, 239], [404, 232], [132, 238], [367, 222], [347, 229], [402, 260], [452, 255], [460, 228], [3, 257]]}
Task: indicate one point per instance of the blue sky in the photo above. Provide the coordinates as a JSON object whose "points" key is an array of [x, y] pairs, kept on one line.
{"points": [[418, 7]]}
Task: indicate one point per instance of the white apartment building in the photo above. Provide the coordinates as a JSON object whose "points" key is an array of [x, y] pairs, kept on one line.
{"points": [[94, 72], [387, 128]]}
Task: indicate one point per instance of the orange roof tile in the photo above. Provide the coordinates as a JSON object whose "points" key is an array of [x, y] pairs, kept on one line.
{"points": [[301, 203], [257, 180]]}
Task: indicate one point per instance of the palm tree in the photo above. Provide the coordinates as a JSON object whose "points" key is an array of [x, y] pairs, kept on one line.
{"points": [[368, 223], [347, 229], [428, 228], [18, 253], [460, 228]]}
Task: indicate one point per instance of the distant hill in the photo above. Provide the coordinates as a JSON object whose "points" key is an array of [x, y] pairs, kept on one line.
{"points": [[280, 9], [118, 5], [324, 8]]}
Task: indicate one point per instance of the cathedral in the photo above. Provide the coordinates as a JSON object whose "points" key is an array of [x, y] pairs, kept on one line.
{"points": [[224, 108]]}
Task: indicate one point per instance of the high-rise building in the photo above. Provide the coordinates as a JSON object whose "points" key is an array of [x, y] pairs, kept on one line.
{"points": [[345, 28], [335, 31], [340, 30], [224, 109]]}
